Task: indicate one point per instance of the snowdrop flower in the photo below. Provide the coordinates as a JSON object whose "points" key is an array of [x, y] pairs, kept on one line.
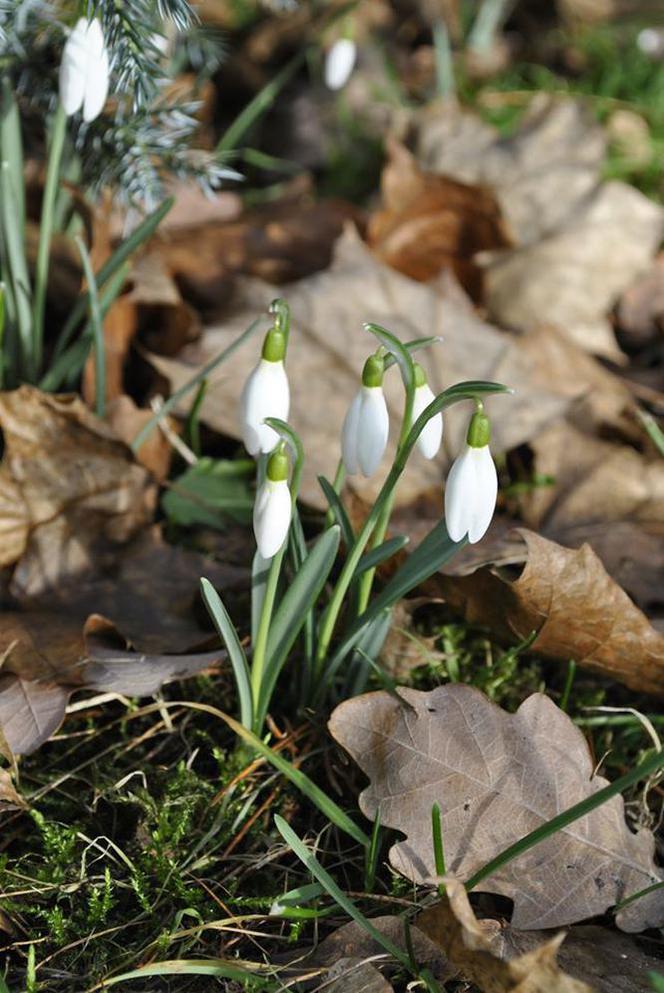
{"points": [[339, 63], [273, 506], [432, 432], [367, 424], [472, 485], [265, 394], [84, 70]]}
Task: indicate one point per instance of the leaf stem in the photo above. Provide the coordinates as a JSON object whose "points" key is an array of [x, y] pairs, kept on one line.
{"points": [[46, 232]]}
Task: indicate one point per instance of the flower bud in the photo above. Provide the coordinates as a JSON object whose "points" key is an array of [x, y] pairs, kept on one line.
{"points": [[84, 70], [266, 394], [367, 424], [339, 63], [431, 434], [472, 485], [273, 507]]}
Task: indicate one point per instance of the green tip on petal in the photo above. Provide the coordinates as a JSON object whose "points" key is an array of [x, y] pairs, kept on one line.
{"points": [[277, 465], [420, 375], [274, 346], [479, 430], [374, 370]]}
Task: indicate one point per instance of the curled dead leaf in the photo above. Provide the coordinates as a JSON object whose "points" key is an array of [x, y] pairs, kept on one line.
{"points": [[496, 777], [69, 489], [576, 608], [429, 222], [9, 796], [453, 925]]}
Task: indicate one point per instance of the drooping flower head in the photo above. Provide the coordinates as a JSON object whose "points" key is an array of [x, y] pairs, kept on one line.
{"points": [[472, 484], [431, 435], [367, 423], [84, 70], [266, 394], [339, 63], [273, 507]]}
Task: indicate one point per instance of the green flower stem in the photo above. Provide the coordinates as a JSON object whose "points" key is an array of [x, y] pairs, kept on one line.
{"points": [[462, 391], [260, 648], [366, 582], [46, 231]]}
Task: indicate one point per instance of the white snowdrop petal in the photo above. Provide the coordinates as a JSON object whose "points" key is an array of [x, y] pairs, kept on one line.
{"points": [[432, 433], [484, 500], [73, 68], [94, 38], [339, 63], [349, 436], [272, 516], [373, 429], [266, 394], [96, 89], [459, 494]]}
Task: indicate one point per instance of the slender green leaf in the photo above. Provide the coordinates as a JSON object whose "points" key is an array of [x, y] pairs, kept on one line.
{"points": [[228, 634], [432, 552], [14, 241], [191, 384], [223, 968], [211, 492], [321, 800], [97, 329], [635, 775], [122, 253], [338, 510], [235, 133], [51, 186], [366, 652], [11, 145], [318, 872], [416, 345], [293, 609], [378, 555], [69, 365]]}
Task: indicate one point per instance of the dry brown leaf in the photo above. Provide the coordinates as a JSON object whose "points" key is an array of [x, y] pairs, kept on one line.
{"points": [[355, 976], [577, 610], [606, 959], [640, 313], [279, 242], [126, 420], [541, 174], [581, 243], [428, 223], [9, 797], [69, 489], [327, 351], [574, 276], [496, 777], [453, 925]]}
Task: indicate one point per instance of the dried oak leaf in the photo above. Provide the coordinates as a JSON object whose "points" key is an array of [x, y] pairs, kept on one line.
{"points": [[496, 777], [69, 489], [606, 959], [36, 682], [453, 925], [428, 223], [540, 174], [580, 243], [609, 495], [355, 976], [328, 348], [576, 608], [9, 796]]}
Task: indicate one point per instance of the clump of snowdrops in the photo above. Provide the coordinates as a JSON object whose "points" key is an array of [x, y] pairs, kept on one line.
{"points": [[328, 623]]}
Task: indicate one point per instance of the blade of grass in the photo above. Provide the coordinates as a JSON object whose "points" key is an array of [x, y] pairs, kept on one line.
{"points": [[318, 872], [56, 147], [635, 775], [202, 374], [223, 968], [122, 253], [232, 137], [228, 634], [327, 807], [97, 325]]}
